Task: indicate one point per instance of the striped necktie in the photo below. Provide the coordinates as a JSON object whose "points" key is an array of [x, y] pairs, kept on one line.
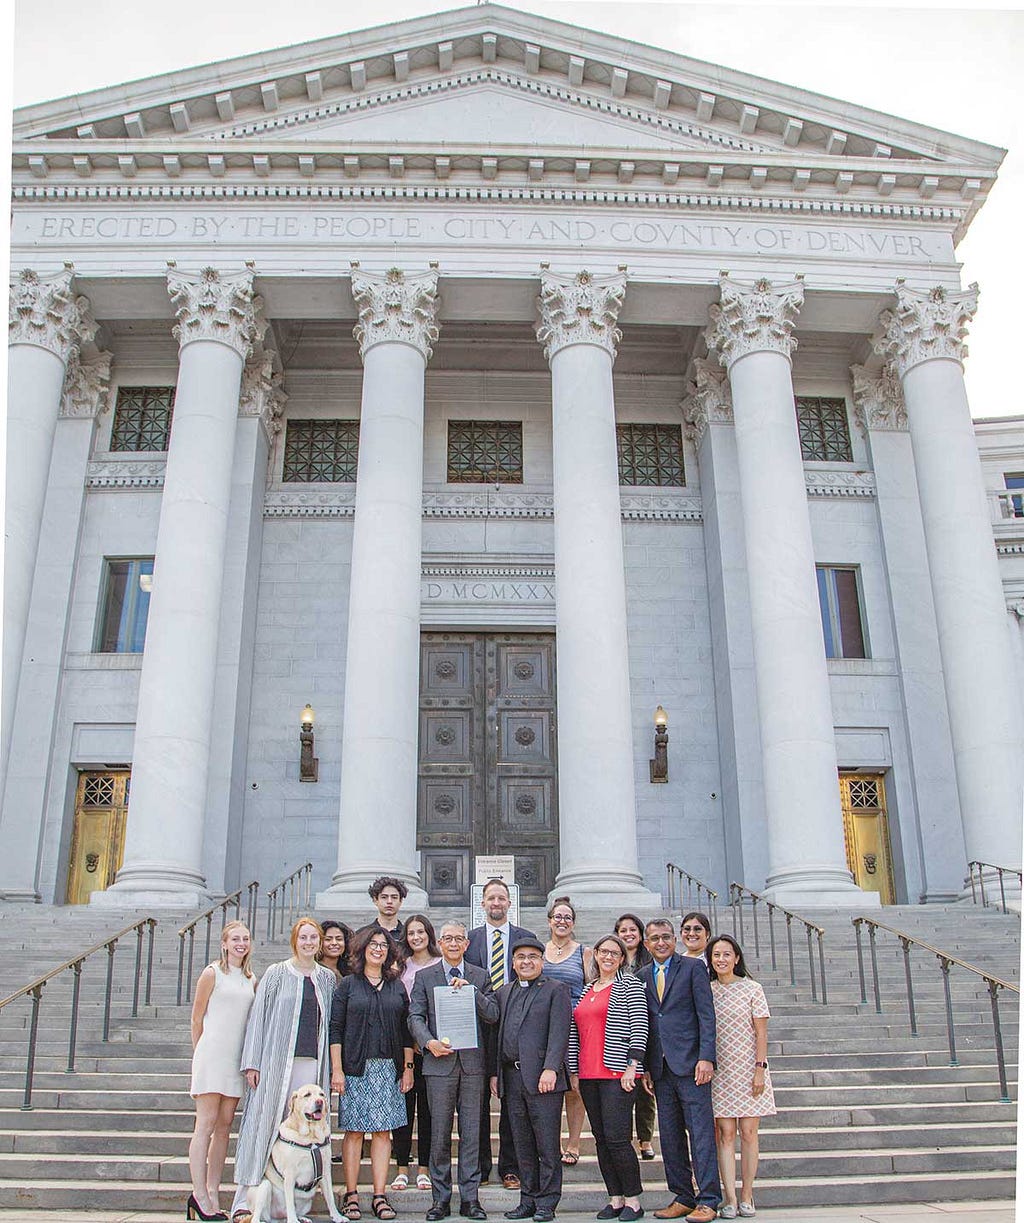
{"points": [[498, 961], [660, 983]]}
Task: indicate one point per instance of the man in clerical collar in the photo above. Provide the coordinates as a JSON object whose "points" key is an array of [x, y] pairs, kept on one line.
{"points": [[528, 1072]]}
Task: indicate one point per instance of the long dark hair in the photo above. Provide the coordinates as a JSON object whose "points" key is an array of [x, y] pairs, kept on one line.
{"points": [[343, 968], [428, 925], [741, 969], [703, 918], [357, 956], [643, 956]]}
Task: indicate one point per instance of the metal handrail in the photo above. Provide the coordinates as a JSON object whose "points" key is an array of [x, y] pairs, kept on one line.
{"points": [[946, 962], [693, 886], [185, 977], [736, 893], [35, 989], [1001, 870], [290, 886]]}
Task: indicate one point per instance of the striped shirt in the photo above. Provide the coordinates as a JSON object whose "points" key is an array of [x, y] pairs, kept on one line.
{"points": [[625, 1034]]}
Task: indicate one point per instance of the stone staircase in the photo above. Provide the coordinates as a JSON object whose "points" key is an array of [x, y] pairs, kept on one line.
{"points": [[868, 1113]]}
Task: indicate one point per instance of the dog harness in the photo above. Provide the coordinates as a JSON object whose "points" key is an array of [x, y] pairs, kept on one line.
{"points": [[315, 1150]]}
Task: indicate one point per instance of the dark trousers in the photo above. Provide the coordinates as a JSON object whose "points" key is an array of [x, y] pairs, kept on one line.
{"points": [[415, 1106], [644, 1107], [536, 1123], [507, 1157], [610, 1112], [446, 1095], [684, 1109]]}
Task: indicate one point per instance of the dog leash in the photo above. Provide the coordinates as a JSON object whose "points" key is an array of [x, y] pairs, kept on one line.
{"points": [[315, 1150]]}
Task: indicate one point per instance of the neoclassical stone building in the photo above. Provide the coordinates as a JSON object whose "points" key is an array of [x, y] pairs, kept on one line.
{"points": [[487, 384]]}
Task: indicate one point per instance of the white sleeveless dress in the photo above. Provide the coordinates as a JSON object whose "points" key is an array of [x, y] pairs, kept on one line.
{"points": [[217, 1060]]}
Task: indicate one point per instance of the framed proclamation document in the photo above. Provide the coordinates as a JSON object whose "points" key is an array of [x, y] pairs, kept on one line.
{"points": [[455, 1012]]}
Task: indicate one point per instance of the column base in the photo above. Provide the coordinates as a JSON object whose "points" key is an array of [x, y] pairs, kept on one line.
{"points": [[600, 887], [20, 896], [349, 890], [818, 887], [154, 885]]}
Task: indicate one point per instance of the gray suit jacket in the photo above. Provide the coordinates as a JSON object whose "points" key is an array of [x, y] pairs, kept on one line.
{"points": [[423, 1024]]}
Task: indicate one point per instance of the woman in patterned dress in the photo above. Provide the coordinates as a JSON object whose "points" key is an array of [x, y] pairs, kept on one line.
{"points": [[742, 1087], [371, 1062]]}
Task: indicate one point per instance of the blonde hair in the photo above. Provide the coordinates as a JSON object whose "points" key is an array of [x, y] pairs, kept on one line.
{"points": [[245, 964], [304, 921]]}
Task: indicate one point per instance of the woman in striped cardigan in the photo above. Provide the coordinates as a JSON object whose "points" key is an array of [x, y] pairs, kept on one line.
{"points": [[606, 1048]]}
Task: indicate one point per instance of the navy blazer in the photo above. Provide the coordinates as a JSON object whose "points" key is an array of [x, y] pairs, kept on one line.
{"points": [[543, 1033], [479, 949], [423, 1022], [682, 1024]]}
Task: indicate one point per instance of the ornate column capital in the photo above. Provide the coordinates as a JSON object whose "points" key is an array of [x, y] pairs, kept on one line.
{"points": [[708, 398], [210, 305], [396, 307], [85, 386], [927, 324], [262, 392], [754, 317], [878, 399], [579, 309], [45, 312]]}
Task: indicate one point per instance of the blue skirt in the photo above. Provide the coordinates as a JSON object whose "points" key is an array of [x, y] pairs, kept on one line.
{"points": [[373, 1100]]}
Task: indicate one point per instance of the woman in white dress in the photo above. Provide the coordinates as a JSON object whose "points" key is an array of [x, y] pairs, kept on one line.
{"points": [[223, 998]]}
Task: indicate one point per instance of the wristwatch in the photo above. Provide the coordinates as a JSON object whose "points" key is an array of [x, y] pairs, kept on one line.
{"points": [[762, 1065]]}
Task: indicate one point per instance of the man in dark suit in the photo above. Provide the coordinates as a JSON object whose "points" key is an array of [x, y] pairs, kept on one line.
{"points": [[490, 947], [680, 1063], [455, 1078], [528, 1073]]}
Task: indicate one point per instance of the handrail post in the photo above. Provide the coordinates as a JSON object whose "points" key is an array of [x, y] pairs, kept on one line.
{"points": [[789, 941], [138, 972], [181, 962], [810, 961], [668, 885], [874, 968], [948, 998], [1002, 889], [30, 1065], [910, 985], [981, 885], [309, 883], [149, 961], [209, 929], [970, 871], [739, 906], [771, 935], [860, 962], [993, 993], [191, 955], [76, 992], [733, 899], [757, 939], [111, 948], [821, 962]]}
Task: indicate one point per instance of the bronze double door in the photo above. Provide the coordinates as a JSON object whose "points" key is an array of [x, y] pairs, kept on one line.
{"points": [[487, 760]]}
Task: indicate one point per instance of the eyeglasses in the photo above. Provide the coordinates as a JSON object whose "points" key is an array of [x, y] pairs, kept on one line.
{"points": [[693, 930], [526, 959], [609, 951], [563, 919], [377, 946], [453, 938], [661, 938]]}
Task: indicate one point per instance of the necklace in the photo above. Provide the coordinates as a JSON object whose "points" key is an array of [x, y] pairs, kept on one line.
{"points": [[560, 952]]}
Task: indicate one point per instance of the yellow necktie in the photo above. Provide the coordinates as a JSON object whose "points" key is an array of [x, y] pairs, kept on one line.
{"points": [[660, 984]]}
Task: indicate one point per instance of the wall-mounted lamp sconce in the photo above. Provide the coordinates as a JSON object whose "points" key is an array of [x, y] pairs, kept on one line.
{"points": [[659, 765], [309, 765]]}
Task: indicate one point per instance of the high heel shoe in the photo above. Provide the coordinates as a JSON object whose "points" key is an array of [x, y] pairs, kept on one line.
{"points": [[194, 1211]]}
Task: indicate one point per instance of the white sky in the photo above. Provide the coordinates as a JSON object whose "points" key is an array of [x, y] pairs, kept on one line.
{"points": [[951, 68]]}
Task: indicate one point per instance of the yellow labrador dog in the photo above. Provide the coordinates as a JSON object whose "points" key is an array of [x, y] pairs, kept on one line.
{"points": [[300, 1160]]}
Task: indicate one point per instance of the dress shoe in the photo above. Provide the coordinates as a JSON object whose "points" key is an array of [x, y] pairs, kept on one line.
{"points": [[510, 1180], [472, 1210], [522, 1211], [677, 1210], [543, 1216], [609, 1212], [630, 1213], [703, 1214], [439, 1210]]}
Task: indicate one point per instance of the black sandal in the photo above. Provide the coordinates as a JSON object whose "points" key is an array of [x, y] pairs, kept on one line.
{"points": [[381, 1207], [350, 1205]]}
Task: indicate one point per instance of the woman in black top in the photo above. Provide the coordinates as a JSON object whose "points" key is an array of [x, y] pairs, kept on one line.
{"points": [[630, 929], [334, 950], [371, 1062]]}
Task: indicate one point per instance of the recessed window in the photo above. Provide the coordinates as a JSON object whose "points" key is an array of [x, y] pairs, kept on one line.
{"points": [[841, 619], [142, 418], [1012, 480], [122, 628], [651, 455], [824, 430], [485, 452], [321, 450]]}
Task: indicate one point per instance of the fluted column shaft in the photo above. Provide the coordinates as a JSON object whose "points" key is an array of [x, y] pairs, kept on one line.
{"points": [[596, 789], [163, 862], [47, 323], [924, 337], [379, 752], [752, 330]]}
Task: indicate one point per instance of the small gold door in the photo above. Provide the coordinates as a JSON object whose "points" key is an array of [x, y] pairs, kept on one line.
{"points": [[866, 833], [97, 841]]}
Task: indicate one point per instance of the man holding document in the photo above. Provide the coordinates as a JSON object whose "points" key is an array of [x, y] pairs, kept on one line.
{"points": [[449, 1001]]}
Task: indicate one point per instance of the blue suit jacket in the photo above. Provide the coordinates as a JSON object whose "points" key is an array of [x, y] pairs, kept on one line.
{"points": [[682, 1024]]}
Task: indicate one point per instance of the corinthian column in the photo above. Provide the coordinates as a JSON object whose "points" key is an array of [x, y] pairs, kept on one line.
{"points": [[596, 796], [924, 337], [163, 861], [47, 324], [752, 330], [377, 824]]}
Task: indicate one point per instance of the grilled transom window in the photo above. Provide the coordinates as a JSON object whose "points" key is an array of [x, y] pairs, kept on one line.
{"points": [[142, 418], [485, 452], [651, 454], [321, 450], [824, 430]]}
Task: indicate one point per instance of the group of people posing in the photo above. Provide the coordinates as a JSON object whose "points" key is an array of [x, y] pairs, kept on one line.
{"points": [[609, 1033]]}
